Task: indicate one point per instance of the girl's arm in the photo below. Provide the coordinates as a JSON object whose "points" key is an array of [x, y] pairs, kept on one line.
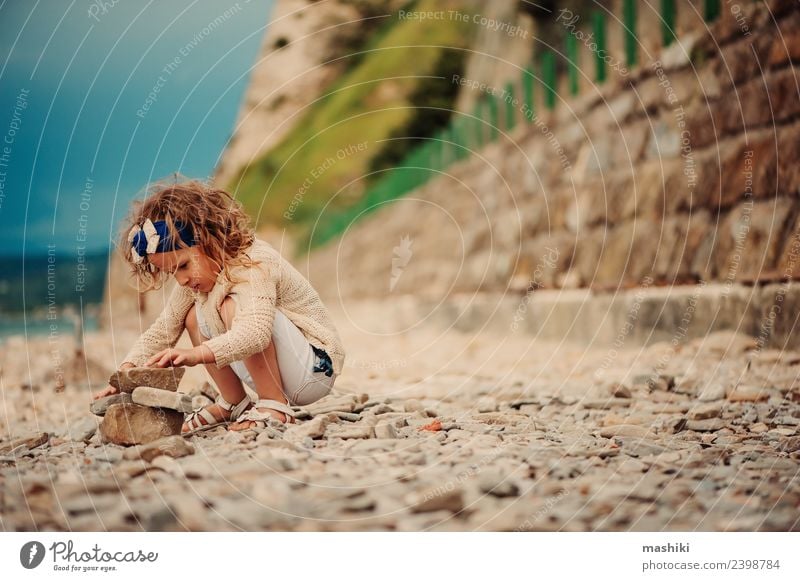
{"points": [[165, 330], [251, 328]]}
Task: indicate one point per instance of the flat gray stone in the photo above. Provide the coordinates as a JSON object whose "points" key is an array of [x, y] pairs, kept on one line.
{"points": [[626, 430], [617, 389], [704, 412], [99, 407], [329, 404], [109, 454], [486, 404], [712, 392], [83, 429], [497, 484], [789, 445], [748, 394], [450, 498], [386, 430], [606, 404], [173, 446], [161, 398], [711, 425], [30, 442], [349, 432], [314, 428]]}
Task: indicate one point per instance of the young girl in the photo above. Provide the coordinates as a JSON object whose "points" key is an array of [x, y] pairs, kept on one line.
{"points": [[251, 316]]}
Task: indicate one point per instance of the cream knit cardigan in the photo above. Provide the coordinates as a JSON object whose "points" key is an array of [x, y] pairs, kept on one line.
{"points": [[274, 283]]}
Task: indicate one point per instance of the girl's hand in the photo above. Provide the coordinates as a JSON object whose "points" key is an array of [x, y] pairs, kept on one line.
{"points": [[110, 389], [177, 357]]}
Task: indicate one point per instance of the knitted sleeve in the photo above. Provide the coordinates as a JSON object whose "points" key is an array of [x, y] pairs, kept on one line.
{"points": [[251, 328], [165, 330]]}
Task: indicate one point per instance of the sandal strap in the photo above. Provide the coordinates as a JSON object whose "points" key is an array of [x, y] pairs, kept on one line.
{"points": [[194, 421], [275, 405], [254, 415], [235, 409]]}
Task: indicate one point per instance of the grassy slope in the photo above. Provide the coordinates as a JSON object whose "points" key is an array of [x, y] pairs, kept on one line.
{"points": [[364, 105]]}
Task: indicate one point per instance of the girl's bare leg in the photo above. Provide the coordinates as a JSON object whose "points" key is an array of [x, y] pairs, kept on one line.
{"points": [[264, 370], [228, 383]]}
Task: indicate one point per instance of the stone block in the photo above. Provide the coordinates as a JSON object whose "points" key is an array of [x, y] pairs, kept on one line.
{"points": [[130, 423], [752, 237], [161, 398], [126, 380], [99, 407], [785, 46]]}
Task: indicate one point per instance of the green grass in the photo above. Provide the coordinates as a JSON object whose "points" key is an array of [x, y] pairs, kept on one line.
{"points": [[367, 104]]}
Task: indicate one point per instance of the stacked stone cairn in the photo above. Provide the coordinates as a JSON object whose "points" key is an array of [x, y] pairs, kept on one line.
{"points": [[148, 406]]}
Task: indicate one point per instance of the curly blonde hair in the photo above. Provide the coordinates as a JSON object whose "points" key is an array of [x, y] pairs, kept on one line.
{"points": [[220, 226]]}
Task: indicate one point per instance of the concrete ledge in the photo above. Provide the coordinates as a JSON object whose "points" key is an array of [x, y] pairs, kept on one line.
{"points": [[638, 316]]}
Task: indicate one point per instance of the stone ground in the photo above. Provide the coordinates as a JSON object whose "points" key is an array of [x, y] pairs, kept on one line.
{"points": [[432, 429]]}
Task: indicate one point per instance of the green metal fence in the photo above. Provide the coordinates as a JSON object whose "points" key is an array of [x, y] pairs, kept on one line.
{"points": [[469, 132]]}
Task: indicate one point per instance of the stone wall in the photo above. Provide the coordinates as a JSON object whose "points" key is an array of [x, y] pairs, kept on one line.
{"points": [[684, 170]]}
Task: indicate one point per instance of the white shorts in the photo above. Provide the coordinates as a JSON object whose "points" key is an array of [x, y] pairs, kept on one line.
{"points": [[296, 359]]}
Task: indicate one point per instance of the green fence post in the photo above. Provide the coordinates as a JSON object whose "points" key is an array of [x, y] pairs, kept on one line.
{"points": [[406, 176], [445, 137], [466, 136], [511, 113], [452, 155], [443, 148], [572, 65], [711, 10], [407, 180], [629, 20], [425, 163], [493, 117], [527, 90], [452, 134], [549, 78], [419, 160], [455, 131], [465, 123], [435, 152], [463, 137], [599, 29], [478, 123], [667, 22]]}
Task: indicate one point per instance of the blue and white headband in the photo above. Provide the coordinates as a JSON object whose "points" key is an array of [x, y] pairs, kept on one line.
{"points": [[153, 237]]}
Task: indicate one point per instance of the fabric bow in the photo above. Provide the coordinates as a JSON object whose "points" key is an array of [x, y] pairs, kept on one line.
{"points": [[152, 237]]}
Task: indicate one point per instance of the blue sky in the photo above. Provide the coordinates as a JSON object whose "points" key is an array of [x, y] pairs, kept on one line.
{"points": [[74, 84]]}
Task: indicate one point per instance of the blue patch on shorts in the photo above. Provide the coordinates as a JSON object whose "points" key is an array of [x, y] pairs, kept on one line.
{"points": [[322, 361]]}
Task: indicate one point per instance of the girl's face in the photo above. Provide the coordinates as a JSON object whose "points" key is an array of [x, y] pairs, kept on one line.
{"points": [[190, 267]]}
